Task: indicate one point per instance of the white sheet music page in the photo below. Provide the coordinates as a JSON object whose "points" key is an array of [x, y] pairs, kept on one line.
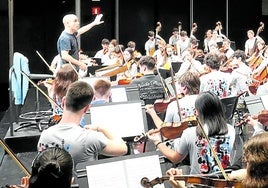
{"points": [[119, 94], [125, 173], [125, 120], [264, 100]]}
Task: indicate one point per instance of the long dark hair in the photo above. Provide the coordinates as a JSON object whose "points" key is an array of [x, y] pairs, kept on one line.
{"points": [[52, 168], [210, 112]]}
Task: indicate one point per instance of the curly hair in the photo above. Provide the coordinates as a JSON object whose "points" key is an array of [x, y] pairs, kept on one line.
{"points": [[255, 154]]}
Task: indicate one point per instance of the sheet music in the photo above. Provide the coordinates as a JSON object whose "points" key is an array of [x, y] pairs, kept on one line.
{"points": [[264, 100], [124, 120], [119, 94], [125, 173]]}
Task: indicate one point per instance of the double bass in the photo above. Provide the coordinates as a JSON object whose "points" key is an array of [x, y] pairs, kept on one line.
{"points": [[253, 49]]}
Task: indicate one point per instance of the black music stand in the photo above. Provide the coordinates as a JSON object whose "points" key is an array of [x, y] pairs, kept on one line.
{"points": [[82, 173], [176, 66], [18, 88]]}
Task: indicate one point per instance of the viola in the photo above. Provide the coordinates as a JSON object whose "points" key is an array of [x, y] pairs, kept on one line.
{"points": [[193, 179], [160, 105]]}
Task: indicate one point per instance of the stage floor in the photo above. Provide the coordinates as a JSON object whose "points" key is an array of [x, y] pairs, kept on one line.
{"points": [[22, 142]]}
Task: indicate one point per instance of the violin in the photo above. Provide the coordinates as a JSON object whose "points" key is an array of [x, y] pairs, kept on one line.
{"points": [[193, 179], [169, 132], [262, 117], [49, 81], [54, 120], [160, 105], [126, 81]]}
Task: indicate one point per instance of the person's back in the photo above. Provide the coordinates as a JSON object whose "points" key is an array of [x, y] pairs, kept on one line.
{"points": [[102, 91], [215, 81], [84, 145], [150, 85], [221, 135]]}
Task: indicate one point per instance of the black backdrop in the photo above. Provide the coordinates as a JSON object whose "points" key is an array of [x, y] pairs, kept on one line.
{"points": [[37, 25]]}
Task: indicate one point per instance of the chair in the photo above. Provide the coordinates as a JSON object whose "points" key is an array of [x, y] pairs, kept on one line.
{"points": [[18, 89]]}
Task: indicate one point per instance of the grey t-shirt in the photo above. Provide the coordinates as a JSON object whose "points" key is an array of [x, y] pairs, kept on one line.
{"points": [[83, 145]]}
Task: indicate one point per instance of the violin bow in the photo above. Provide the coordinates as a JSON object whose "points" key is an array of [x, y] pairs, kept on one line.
{"points": [[212, 150], [34, 84], [162, 82], [45, 61], [14, 157], [175, 91], [79, 76]]}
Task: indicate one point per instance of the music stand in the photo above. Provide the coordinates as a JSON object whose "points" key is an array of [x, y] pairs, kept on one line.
{"points": [[254, 104], [81, 168], [121, 93], [176, 66], [126, 119], [91, 69]]}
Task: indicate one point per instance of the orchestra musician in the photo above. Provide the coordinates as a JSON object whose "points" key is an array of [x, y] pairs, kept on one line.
{"points": [[198, 53], [160, 54], [130, 63], [193, 142], [83, 144], [216, 81], [150, 85], [255, 59], [149, 45], [260, 75], [110, 57], [189, 63], [102, 52], [251, 42], [241, 73], [113, 61], [102, 91], [51, 168], [137, 55], [174, 38], [67, 44], [187, 85], [168, 56], [58, 87], [226, 48], [147, 65], [254, 175], [262, 65], [183, 43], [207, 38]]}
